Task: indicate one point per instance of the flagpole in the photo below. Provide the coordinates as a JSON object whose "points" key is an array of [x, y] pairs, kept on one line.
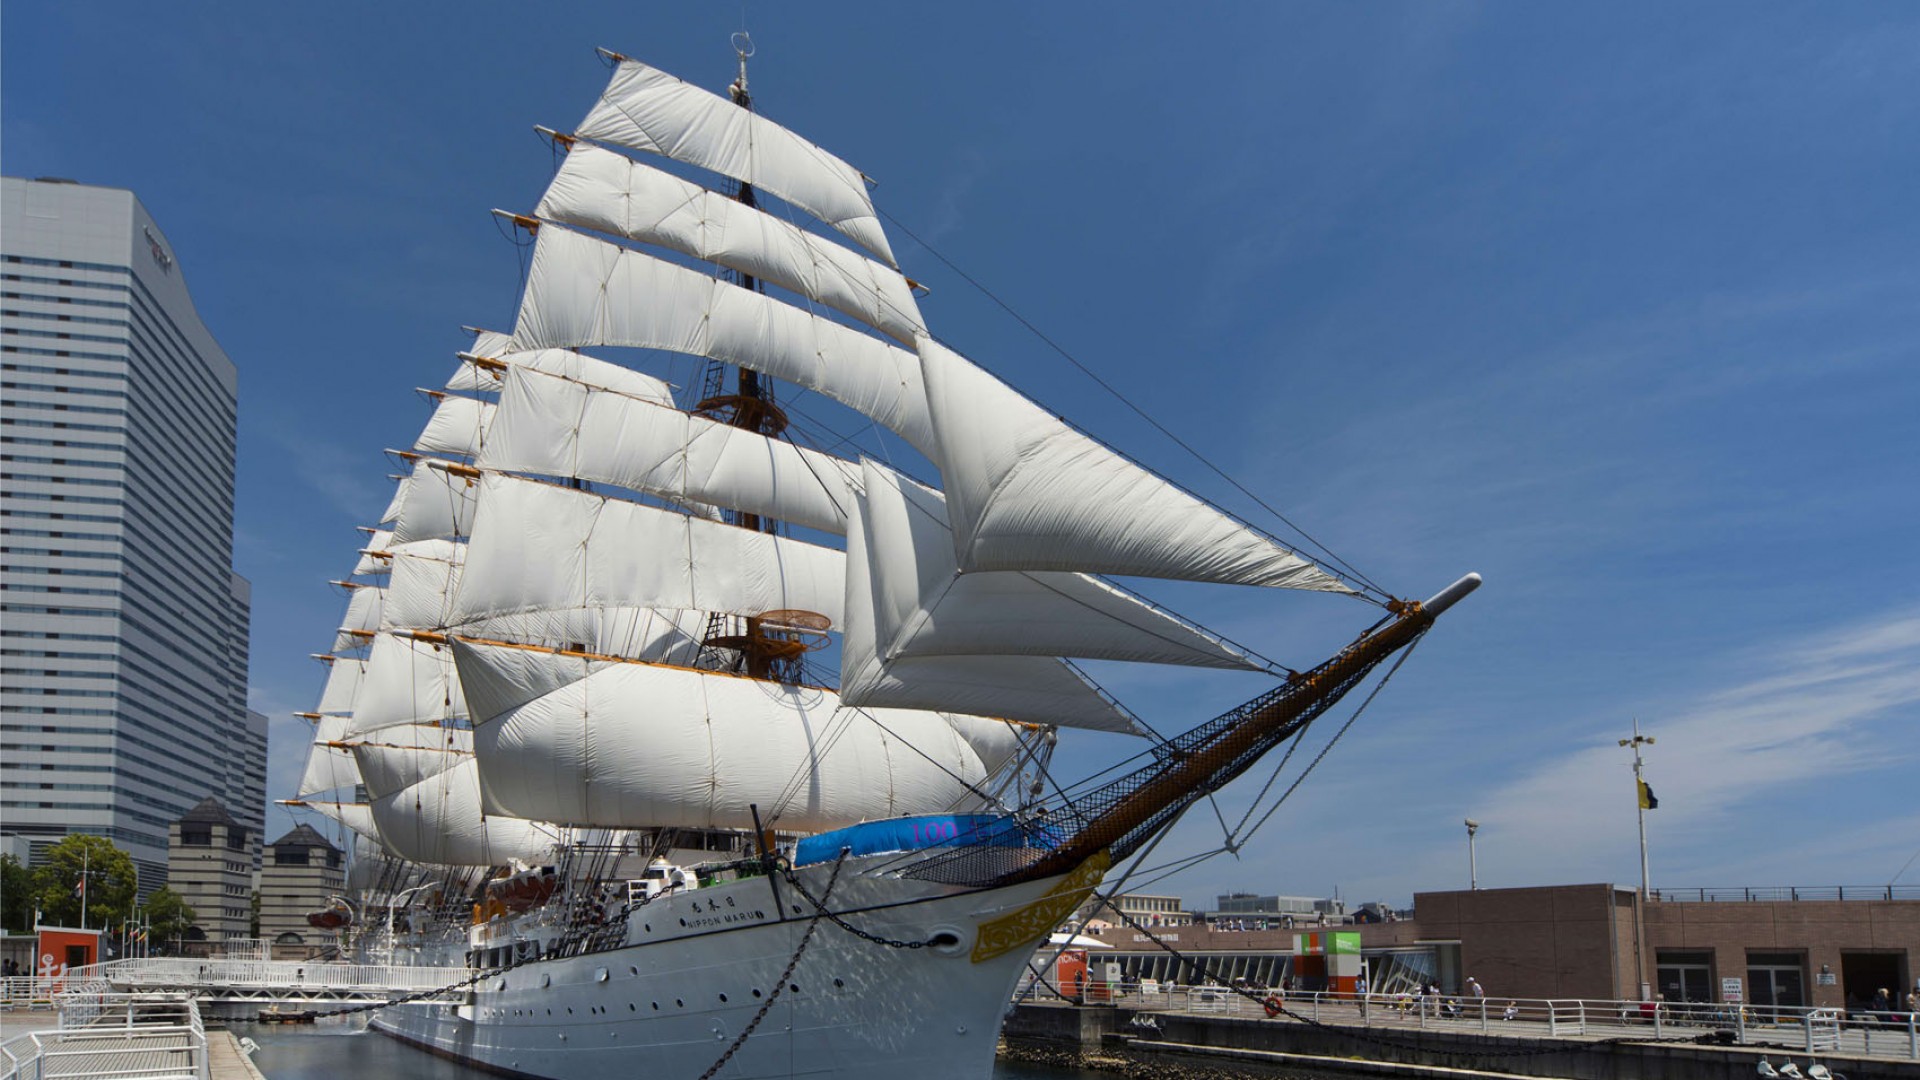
{"points": [[86, 861]]}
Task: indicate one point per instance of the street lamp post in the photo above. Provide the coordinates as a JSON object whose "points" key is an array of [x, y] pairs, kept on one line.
{"points": [[1473, 866]]}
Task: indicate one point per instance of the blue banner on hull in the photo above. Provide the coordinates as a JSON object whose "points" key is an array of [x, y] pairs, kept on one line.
{"points": [[916, 833]]}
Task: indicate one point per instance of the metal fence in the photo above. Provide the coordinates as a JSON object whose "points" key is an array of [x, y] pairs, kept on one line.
{"points": [[103, 1034], [1814, 1031], [1775, 893]]}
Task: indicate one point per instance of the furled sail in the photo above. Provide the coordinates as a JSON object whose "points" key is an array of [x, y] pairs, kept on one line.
{"points": [[641, 745], [400, 757], [457, 428], [329, 768], [1037, 689], [604, 191], [494, 354], [924, 606], [439, 821], [432, 503], [1027, 492], [361, 620], [407, 682], [585, 291], [557, 427], [646, 109], [536, 546]]}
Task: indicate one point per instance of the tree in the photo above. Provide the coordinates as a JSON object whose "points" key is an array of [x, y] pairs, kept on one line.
{"points": [[253, 915], [16, 896], [111, 882], [168, 916]]}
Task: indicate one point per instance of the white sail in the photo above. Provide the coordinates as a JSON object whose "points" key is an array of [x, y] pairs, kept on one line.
{"points": [[329, 768], [484, 369], [420, 590], [639, 745], [366, 863], [646, 109], [536, 546], [433, 503], [1027, 492], [1037, 689], [343, 684], [924, 606], [439, 821], [400, 757], [607, 192], [457, 428], [355, 816], [586, 291], [993, 741], [555, 427], [361, 620], [370, 564], [407, 682]]}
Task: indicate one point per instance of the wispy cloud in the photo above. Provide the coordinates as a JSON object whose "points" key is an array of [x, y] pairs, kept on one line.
{"points": [[1796, 721]]}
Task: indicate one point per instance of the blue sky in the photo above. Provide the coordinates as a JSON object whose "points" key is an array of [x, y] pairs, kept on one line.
{"points": [[1618, 305]]}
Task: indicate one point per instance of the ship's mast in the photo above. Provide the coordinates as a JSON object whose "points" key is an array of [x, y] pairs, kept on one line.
{"points": [[773, 643]]}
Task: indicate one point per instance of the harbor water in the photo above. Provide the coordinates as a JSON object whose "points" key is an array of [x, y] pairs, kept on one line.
{"points": [[330, 1051]]}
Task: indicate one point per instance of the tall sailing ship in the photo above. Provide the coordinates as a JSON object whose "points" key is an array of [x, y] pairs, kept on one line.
{"points": [[703, 747]]}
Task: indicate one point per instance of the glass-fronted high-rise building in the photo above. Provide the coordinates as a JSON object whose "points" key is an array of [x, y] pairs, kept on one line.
{"points": [[123, 639]]}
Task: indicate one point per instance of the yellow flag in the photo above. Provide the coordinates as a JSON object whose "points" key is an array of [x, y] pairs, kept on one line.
{"points": [[1647, 801]]}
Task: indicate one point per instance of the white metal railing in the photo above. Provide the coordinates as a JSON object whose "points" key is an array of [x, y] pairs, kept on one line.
{"points": [[269, 974], [103, 1034], [1830, 1031]]}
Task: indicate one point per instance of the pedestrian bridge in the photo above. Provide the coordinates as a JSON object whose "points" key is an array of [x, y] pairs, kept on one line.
{"points": [[275, 982]]}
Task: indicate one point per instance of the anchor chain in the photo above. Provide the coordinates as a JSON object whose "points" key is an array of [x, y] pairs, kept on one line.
{"points": [[780, 986]]}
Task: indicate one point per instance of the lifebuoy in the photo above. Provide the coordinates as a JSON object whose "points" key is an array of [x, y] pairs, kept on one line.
{"points": [[1274, 1005]]}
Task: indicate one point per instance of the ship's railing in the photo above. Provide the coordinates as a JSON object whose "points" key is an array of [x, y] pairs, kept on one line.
{"points": [[187, 971], [1777, 893], [104, 1034], [1814, 1030]]}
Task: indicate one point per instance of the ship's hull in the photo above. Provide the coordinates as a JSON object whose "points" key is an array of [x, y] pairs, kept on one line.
{"points": [[698, 967]]}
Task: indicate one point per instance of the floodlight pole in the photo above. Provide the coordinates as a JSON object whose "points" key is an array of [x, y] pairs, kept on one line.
{"points": [[1640, 802], [1473, 865]]}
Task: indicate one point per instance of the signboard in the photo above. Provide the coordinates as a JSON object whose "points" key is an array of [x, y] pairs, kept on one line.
{"points": [[1825, 978], [1730, 990], [1331, 943]]}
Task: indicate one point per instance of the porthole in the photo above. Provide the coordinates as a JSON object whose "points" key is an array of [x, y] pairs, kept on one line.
{"points": [[723, 999], [600, 975], [678, 1004], [631, 970], [839, 985], [656, 1006], [795, 987], [756, 993], [630, 1007]]}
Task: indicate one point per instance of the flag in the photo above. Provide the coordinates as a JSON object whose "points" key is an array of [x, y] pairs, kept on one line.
{"points": [[1647, 801], [81, 888]]}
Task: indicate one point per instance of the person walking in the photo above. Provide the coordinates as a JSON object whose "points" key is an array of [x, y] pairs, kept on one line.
{"points": [[1360, 991]]}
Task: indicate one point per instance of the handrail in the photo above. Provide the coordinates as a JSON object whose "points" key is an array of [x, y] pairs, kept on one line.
{"points": [[1735, 894], [1823, 1030], [107, 1028]]}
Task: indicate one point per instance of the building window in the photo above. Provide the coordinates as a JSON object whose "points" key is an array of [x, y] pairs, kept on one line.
{"points": [[289, 856], [1684, 976], [196, 838]]}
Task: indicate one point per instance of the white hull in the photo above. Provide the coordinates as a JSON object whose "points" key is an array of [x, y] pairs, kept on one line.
{"points": [[672, 1000]]}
